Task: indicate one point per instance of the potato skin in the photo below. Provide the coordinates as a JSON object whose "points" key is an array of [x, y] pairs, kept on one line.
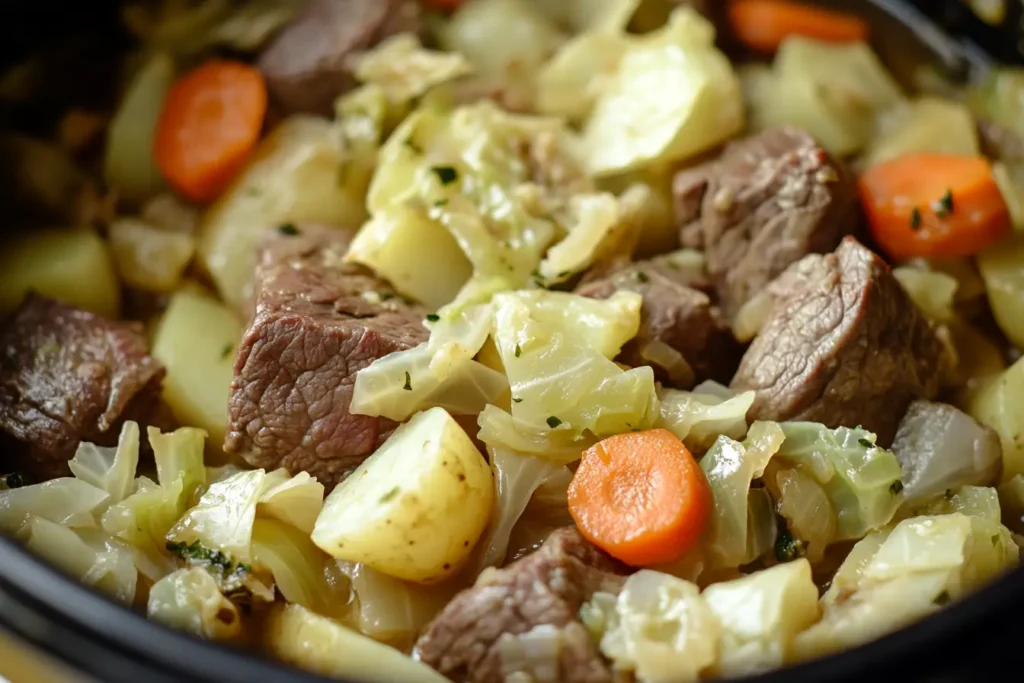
{"points": [[415, 509]]}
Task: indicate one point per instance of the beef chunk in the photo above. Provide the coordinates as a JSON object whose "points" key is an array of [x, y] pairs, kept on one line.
{"points": [[767, 201], [67, 376], [541, 591], [308, 65], [845, 347], [675, 313], [318, 321]]}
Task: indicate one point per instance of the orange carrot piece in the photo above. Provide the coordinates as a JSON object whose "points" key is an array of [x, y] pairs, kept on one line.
{"points": [[210, 123], [641, 497], [762, 25], [933, 206]]}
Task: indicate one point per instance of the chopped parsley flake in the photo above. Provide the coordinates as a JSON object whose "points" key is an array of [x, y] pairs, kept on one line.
{"points": [[14, 480], [896, 488], [433, 317], [642, 277], [942, 598], [408, 382], [518, 351], [385, 296], [198, 554], [446, 174], [412, 146], [288, 229], [944, 206], [788, 548], [553, 422], [866, 443], [440, 202], [390, 495], [226, 351], [915, 218], [516, 399]]}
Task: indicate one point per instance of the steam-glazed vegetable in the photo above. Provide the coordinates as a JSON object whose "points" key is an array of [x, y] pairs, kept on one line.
{"points": [[422, 525], [514, 341]]}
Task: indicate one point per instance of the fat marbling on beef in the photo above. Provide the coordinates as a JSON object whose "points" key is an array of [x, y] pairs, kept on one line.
{"points": [[764, 203], [677, 313], [66, 376], [844, 346], [542, 591], [309, 64], [318, 321]]}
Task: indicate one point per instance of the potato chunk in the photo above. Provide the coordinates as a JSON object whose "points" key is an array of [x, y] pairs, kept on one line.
{"points": [[415, 508]]}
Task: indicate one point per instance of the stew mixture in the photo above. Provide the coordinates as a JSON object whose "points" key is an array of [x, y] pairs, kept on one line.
{"points": [[518, 340]]}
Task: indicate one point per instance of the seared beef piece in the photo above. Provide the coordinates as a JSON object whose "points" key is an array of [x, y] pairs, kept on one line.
{"points": [[998, 142], [318, 321], [675, 313], [846, 347], [68, 375], [545, 589], [767, 201], [308, 65]]}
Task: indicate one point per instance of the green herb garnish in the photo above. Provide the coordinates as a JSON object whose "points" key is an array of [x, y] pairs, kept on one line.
{"points": [[226, 351], [642, 277], [446, 174], [390, 495], [288, 229], [866, 443], [408, 382], [433, 317], [198, 554], [553, 422], [896, 488], [788, 548], [944, 206], [14, 480], [915, 218], [519, 351], [516, 399]]}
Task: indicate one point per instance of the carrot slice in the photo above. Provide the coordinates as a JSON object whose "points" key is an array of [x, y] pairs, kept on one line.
{"points": [[933, 206], [641, 497], [762, 25], [210, 123]]}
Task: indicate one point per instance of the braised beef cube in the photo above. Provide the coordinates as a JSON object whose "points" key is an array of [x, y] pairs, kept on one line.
{"points": [[766, 202], [542, 591], [309, 63], [845, 347], [677, 315], [66, 376], [318, 321]]}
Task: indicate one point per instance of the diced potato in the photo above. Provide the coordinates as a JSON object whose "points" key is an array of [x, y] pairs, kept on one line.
{"points": [[996, 403], [149, 258], [415, 508], [295, 175], [1010, 178], [72, 266], [927, 125], [325, 647], [1002, 268], [196, 341], [395, 244]]}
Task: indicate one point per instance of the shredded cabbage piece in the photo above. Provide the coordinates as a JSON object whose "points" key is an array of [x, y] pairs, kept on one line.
{"points": [[861, 479], [699, 417], [111, 469], [404, 69], [294, 500], [303, 573], [807, 510], [222, 519], [66, 500], [190, 600]]}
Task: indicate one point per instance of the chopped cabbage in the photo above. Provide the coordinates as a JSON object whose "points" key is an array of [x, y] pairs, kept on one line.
{"points": [[439, 373], [302, 572], [673, 96], [861, 480], [982, 502], [580, 16], [996, 404], [222, 519], [730, 467], [807, 510], [1000, 267], [147, 257], [325, 647], [66, 500], [659, 627], [579, 73], [110, 469], [294, 500], [179, 456], [931, 291], [499, 429], [835, 91], [189, 599], [87, 555], [761, 614], [698, 418], [929, 124], [405, 69], [389, 609], [516, 478], [940, 447], [143, 520]]}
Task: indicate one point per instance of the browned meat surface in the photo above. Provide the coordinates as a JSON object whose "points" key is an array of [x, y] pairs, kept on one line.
{"points": [[845, 347], [308, 65], [545, 589], [318, 321], [676, 313], [766, 202], [66, 376]]}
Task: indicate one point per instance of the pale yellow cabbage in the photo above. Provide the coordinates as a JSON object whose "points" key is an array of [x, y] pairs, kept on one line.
{"points": [[69, 265], [579, 73], [189, 599], [1010, 178], [700, 418], [143, 520], [148, 257], [66, 500], [730, 467], [294, 500], [931, 291], [88, 555], [325, 647], [110, 469], [583, 16], [416, 507], [179, 455], [808, 512], [302, 573], [223, 518], [405, 69], [835, 91], [292, 177], [996, 403], [659, 628], [129, 164], [673, 96], [761, 614], [1001, 268], [929, 124]]}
